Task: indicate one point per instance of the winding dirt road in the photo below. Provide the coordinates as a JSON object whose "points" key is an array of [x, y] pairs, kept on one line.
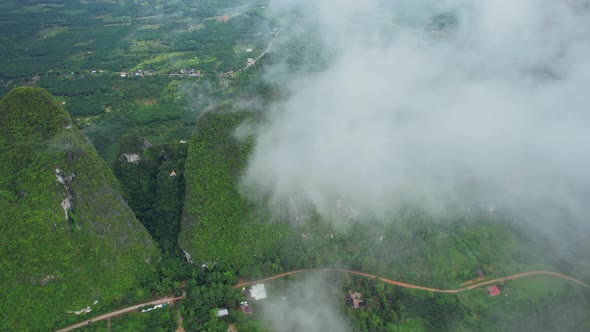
{"points": [[429, 289], [122, 311], [371, 276]]}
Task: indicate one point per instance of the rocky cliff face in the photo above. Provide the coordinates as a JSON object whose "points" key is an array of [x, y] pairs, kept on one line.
{"points": [[68, 238]]}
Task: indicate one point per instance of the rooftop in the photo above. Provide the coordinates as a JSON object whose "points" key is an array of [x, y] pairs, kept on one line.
{"points": [[258, 292], [222, 313], [493, 290], [357, 300]]}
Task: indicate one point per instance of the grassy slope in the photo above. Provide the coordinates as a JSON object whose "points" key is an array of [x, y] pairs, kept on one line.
{"points": [[50, 264]]}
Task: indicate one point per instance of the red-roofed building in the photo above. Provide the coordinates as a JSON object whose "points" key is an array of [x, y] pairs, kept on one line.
{"points": [[493, 290], [246, 308]]}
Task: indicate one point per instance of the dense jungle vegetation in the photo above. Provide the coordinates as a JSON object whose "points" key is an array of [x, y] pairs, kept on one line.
{"points": [[68, 237], [147, 97]]}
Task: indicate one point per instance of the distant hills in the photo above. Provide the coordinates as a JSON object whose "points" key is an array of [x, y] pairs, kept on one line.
{"points": [[69, 241]]}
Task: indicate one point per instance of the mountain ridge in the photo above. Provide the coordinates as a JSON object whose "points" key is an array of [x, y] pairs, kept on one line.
{"points": [[71, 240]]}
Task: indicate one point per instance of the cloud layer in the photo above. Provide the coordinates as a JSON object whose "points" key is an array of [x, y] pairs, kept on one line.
{"points": [[492, 109], [310, 305]]}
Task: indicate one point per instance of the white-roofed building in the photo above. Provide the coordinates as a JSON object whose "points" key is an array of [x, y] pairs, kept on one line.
{"points": [[258, 292], [222, 313]]}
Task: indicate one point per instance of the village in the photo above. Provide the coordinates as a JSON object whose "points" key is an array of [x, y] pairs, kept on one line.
{"points": [[180, 73]]}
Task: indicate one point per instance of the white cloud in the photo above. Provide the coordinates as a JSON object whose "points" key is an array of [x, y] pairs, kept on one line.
{"points": [[498, 104]]}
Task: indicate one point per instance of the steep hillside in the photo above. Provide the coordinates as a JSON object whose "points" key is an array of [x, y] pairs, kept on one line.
{"points": [[69, 241], [218, 222]]}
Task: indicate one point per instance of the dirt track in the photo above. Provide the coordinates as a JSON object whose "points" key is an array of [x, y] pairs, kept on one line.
{"points": [[372, 276], [122, 311], [429, 289]]}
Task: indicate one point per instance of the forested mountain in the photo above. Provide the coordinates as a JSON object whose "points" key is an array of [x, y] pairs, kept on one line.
{"points": [[218, 222], [69, 240], [225, 228]]}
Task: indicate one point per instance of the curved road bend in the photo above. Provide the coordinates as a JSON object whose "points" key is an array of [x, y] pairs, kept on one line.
{"points": [[122, 311], [429, 289]]}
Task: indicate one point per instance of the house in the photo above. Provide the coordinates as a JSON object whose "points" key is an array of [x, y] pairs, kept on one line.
{"points": [[480, 273], [357, 300], [222, 312], [245, 308], [493, 290], [173, 173], [258, 292]]}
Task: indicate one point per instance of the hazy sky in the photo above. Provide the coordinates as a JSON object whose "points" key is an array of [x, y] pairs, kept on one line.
{"points": [[495, 109]]}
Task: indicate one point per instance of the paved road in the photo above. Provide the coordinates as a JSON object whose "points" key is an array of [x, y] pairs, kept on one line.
{"points": [[122, 311], [429, 289]]}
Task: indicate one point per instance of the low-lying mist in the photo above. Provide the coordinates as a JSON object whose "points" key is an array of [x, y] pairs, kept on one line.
{"points": [[491, 109], [311, 304]]}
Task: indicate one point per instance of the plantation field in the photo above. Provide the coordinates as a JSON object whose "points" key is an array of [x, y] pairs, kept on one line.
{"points": [[48, 39]]}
